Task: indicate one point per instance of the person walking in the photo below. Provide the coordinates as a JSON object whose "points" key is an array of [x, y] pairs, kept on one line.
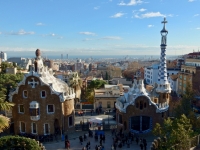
{"points": [[137, 140], [141, 146]]}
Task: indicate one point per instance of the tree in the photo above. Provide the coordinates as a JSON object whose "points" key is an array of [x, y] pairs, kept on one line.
{"points": [[17, 142], [178, 131], [185, 107], [94, 84], [4, 106], [5, 65], [76, 83], [9, 81]]}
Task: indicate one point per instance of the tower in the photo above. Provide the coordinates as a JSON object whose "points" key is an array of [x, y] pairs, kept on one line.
{"points": [[163, 85]]}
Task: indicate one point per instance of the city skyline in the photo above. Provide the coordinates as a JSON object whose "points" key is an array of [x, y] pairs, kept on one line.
{"points": [[106, 27]]}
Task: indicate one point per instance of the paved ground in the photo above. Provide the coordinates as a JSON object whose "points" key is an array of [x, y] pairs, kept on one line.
{"points": [[75, 144], [74, 140]]}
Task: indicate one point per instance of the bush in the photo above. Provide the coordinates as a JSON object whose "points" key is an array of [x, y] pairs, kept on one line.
{"points": [[17, 142]]}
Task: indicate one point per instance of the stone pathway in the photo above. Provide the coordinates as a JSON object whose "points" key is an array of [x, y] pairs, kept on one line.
{"points": [[75, 144]]}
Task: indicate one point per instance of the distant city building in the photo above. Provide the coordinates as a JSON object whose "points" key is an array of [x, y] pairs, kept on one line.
{"points": [[23, 63], [78, 65], [151, 73], [190, 73], [118, 80], [3, 56], [105, 98], [12, 70], [173, 81]]}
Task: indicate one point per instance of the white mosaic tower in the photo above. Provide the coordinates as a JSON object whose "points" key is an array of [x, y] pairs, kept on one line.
{"points": [[163, 84]]}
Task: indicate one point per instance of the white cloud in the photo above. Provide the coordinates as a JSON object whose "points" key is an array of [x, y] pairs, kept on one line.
{"points": [[142, 9], [117, 15], [21, 32], [86, 39], [112, 38], [96, 8], [131, 3], [196, 15], [150, 26], [87, 33], [198, 28], [191, 0], [170, 15], [149, 15], [39, 24], [50, 34]]}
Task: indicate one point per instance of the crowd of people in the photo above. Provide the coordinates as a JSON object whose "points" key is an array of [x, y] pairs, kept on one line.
{"points": [[120, 139]]}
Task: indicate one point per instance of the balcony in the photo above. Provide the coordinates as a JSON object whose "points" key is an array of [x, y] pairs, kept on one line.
{"points": [[35, 118]]}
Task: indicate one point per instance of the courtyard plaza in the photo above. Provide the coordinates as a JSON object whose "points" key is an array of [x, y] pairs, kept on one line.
{"points": [[75, 142]]}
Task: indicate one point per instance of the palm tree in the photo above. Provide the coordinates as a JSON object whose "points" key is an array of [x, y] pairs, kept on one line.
{"points": [[76, 83], [4, 106]]}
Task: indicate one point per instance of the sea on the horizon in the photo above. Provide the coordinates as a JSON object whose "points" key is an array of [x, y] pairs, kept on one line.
{"points": [[144, 57]]}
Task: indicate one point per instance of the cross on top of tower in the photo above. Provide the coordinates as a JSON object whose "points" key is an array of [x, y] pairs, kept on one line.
{"points": [[165, 21]]}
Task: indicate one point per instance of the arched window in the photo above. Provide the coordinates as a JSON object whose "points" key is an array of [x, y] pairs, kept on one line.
{"points": [[137, 105], [141, 105], [145, 105]]}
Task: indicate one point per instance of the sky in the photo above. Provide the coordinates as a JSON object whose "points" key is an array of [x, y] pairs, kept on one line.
{"points": [[98, 27]]}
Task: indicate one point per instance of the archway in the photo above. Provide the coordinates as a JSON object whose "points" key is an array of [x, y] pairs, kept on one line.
{"points": [[140, 124], [56, 126], [125, 125]]}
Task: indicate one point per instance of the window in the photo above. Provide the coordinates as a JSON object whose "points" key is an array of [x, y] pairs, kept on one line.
{"points": [[120, 118], [46, 129], [43, 94], [34, 112], [34, 128], [184, 77], [21, 108], [50, 109], [108, 104], [25, 94], [70, 119], [141, 105], [22, 127], [145, 105], [137, 105], [180, 76], [163, 114]]}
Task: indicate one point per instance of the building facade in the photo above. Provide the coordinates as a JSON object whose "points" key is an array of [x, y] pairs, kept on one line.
{"points": [[189, 74], [138, 110], [43, 104]]}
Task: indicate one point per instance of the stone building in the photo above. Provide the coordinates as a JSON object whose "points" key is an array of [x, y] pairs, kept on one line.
{"points": [[105, 98], [189, 73], [43, 104], [138, 110]]}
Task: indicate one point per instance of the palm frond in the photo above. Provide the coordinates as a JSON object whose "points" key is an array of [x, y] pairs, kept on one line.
{"points": [[4, 123]]}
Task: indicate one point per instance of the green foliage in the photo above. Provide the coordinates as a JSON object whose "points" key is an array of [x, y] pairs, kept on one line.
{"points": [[17, 142], [5, 65], [178, 131], [185, 108], [96, 84], [8, 80]]}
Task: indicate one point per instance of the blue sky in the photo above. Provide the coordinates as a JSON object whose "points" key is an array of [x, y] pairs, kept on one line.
{"points": [[98, 27]]}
